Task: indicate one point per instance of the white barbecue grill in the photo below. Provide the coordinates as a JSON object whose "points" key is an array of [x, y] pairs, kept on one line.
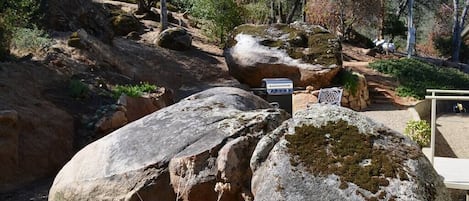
{"points": [[278, 92], [278, 86]]}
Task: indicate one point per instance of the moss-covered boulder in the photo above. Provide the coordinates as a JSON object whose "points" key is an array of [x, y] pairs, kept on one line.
{"points": [[334, 153], [175, 38], [75, 41], [123, 24], [307, 54]]}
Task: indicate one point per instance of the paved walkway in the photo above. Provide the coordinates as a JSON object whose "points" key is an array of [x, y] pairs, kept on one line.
{"points": [[390, 115], [452, 135]]}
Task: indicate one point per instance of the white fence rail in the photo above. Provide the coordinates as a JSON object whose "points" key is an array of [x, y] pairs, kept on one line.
{"points": [[454, 170]]}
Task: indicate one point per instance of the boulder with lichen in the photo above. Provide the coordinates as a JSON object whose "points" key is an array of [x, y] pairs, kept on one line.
{"points": [[123, 24], [307, 54], [332, 153], [176, 38]]}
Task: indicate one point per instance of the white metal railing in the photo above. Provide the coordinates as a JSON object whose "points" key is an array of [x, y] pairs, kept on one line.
{"points": [[454, 170], [434, 98]]}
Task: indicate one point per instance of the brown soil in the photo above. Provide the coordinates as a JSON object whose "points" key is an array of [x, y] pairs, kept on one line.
{"points": [[382, 87]]}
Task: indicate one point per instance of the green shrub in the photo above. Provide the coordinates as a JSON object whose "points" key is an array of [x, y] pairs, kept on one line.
{"points": [[418, 131], [348, 80], [15, 14], [443, 44], [32, 39], [78, 89], [133, 90], [415, 76], [218, 17], [256, 12]]}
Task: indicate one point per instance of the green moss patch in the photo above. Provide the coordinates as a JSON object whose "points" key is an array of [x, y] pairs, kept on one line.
{"points": [[339, 148], [75, 41]]}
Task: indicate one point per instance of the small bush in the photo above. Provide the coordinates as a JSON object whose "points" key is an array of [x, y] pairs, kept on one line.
{"points": [[418, 131], [443, 44], [348, 80], [78, 89], [14, 16], [30, 39], [415, 77], [133, 90]]}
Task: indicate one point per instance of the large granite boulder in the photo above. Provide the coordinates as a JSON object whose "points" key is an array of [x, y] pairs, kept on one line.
{"points": [[333, 153], [197, 149], [175, 38], [123, 24], [307, 54]]}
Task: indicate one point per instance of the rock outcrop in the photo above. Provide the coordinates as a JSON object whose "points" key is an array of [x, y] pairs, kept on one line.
{"points": [[307, 54], [186, 150], [36, 137], [176, 38], [226, 144], [128, 109], [333, 153], [359, 98], [72, 15]]}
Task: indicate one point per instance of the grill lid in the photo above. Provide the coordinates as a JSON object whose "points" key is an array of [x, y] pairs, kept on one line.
{"points": [[278, 86]]}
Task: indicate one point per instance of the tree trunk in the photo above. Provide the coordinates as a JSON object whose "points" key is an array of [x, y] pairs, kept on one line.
{"points": [[292, 12], [164, 15], [280, 12], [456, 31], [342, 20], [457, 47], [272, 11], [304, 11], [381, 19]]}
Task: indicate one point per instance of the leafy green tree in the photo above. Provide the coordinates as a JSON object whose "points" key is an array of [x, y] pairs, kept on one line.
{"points": [[220, 16], [394, 26]]}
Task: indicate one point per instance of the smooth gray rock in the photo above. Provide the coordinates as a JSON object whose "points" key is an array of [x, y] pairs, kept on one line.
{"points": [[280, 174], [175, 152]]}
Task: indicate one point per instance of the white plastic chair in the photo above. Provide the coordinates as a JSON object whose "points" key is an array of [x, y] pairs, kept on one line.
{"points": [[331, 96]]}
